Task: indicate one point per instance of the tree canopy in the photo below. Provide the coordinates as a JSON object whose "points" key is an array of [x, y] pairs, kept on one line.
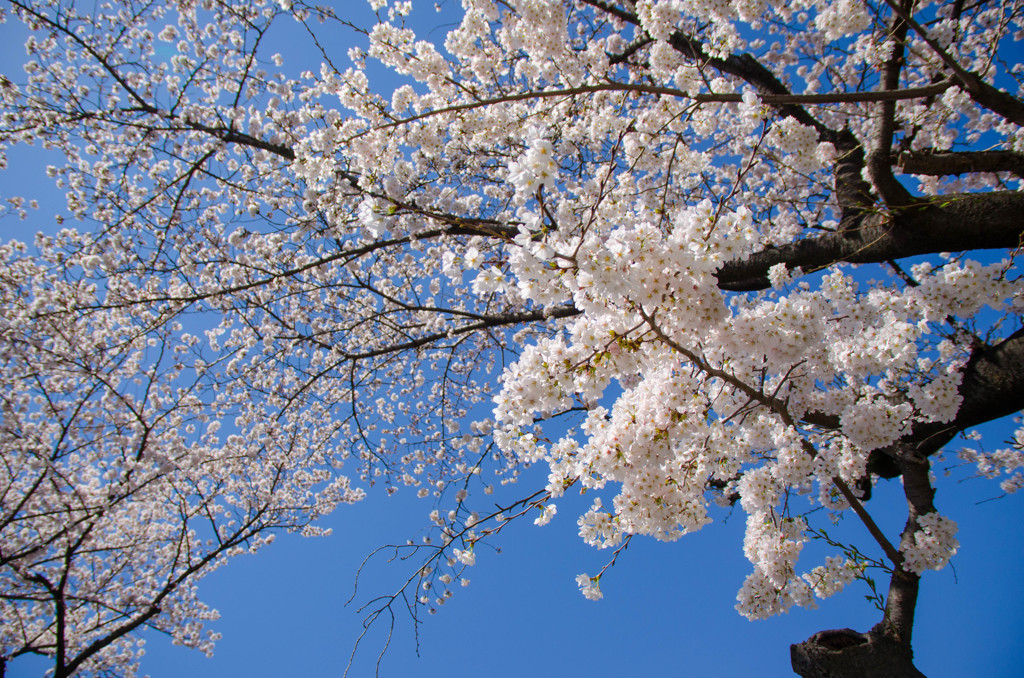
{"points": [[684, 254]]}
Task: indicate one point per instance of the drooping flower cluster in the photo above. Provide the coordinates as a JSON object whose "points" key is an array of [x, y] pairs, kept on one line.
{"points": [[934, 543], [590, 587], [535, 169]]}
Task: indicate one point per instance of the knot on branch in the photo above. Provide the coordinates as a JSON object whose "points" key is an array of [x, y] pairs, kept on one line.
{"points": [[845, 653], [839, 639]]}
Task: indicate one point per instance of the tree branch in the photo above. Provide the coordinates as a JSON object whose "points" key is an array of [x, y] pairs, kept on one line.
{"points": [[997, 101], [876, 532], [945, 163], [950, 223], [879, 169], [784, 100], [853, 194], [992, 387]]}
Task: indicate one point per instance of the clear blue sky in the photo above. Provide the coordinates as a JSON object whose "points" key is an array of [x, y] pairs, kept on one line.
{"points": [[667, 610]]}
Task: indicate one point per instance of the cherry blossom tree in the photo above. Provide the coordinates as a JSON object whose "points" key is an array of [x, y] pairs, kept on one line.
{"points": [[685, 254], [118, 491]]}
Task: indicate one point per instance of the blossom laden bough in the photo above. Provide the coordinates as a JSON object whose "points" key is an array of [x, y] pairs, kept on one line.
{"points": [[612, 238]]}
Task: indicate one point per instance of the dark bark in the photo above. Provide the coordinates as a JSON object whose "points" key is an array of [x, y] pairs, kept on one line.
{"points": [[996, 100], [885, 651], [845, 653], [992, 388], [853, 194], [951, 223], [893, 193], [993, 384], [945, 163]]}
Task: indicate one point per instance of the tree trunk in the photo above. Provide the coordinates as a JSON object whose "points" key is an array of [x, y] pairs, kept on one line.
{"points": [[845, 653]]}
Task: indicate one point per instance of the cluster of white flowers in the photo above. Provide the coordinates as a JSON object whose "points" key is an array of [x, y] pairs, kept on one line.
{"points": [[938, 399], [659, 18], [599, 528], [773, 546], [875, 422], [1006, 461], [547, 512], [488, 280], [832, 577], [536, 168], [933, 544], [590, 587], [839, 18], [371, 217], [759, 598], [465, 556], [799, 143]]}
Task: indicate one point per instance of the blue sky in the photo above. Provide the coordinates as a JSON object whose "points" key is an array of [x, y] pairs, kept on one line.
{"points": [[667, 610]]}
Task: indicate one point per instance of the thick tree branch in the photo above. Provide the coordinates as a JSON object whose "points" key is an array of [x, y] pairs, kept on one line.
{"points": [[901, 603], [853, 194], [230, 136], [951, 223], [879, 169], [945, 163], [992, 388]]}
